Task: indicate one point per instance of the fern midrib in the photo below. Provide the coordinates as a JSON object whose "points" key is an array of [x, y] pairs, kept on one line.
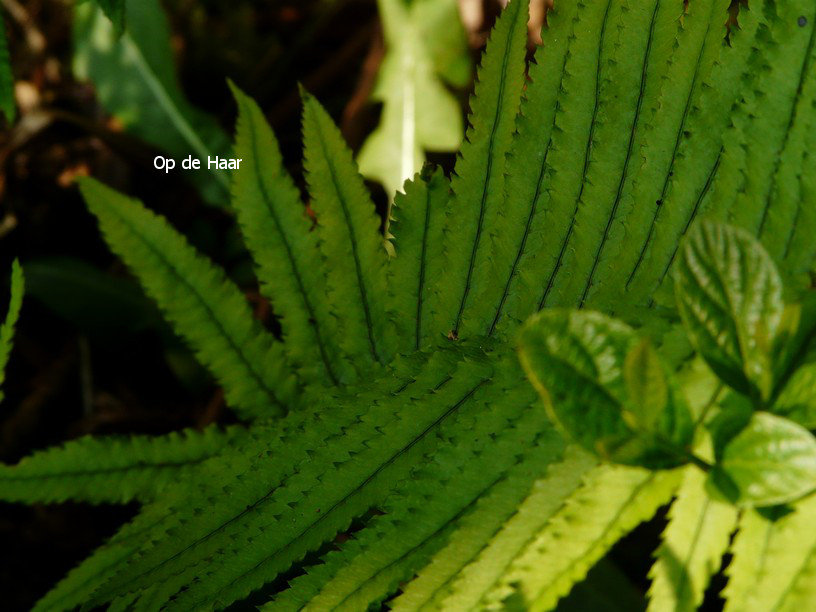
{"points": [[471, 558], [610, 525], [370, 478], [223, 332], [678, 140], [791, 119], [422, 264], [113, 541], [695, 210], [353, 239], [533, 208], [632, 135], [587, 155], [684, 576], [140, 465], [288, 248], [797, 215], [458, 515], [256, 504], [485, 187]]}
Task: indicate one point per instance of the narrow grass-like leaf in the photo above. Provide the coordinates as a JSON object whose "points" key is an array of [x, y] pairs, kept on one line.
{"points": [[135, 81], [12, 314]]}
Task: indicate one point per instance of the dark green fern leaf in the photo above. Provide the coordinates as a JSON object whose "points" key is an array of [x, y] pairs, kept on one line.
{"points": [[207, 309], [111, 469]]}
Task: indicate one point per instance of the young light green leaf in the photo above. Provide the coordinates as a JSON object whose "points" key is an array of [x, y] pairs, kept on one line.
{"points": [[646, 384], [13, 313], [419, 114], [135, 81], [576, 361], [7, 105], [772, 461], [729, 294], [115, 11], [797, 400]]}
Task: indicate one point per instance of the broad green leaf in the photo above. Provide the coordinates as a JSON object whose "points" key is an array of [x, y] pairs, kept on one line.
{"points": [[797, 400], [135, 81], [771, 461], [419, 114], [730, 298], [12, 314], [692, 547], [115, 11], [7, 104], [577, 361], [794, 340]]}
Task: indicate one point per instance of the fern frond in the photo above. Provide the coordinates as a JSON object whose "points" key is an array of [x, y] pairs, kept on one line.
{"points": [[205, 307], [612, 501], [522, 220], [279, 234], [349, 238], [477, 556], [111, 469], [417, 226], [478, 183], [772, 567], [79, 585], [693, 545], [767, 128], [12, 314], [488, 463], [291, 498]]}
